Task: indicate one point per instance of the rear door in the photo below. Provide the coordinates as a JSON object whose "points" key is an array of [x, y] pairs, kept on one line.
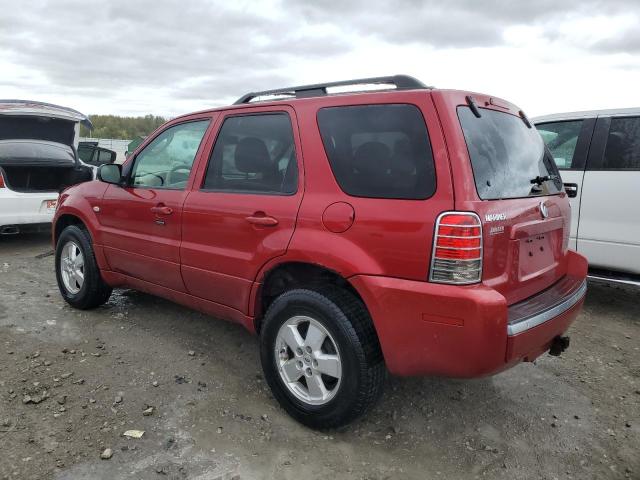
{"points": [[568, 141], [503, 172], [609, 231], [242, 211]]}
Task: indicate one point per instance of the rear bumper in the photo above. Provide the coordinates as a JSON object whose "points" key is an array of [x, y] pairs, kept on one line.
{"points": [[467, 331], [25, 208]]}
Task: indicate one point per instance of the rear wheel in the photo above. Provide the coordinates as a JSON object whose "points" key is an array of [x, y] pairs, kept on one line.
{"points": [[321, 356], [77, 272]]}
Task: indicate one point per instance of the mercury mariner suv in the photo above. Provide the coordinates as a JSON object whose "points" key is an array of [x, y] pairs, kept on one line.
{"points": [[358, 227]]}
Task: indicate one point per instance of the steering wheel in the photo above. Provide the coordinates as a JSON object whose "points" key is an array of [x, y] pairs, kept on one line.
{"points": [[184, 166]]}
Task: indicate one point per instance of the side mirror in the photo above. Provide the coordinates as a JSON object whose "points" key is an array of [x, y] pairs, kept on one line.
{"points": [[110, 173]]}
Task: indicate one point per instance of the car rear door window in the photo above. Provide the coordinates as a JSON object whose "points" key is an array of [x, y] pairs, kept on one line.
{"points": [[622, 151], [379, 151], [254, 154], [561, 139]]}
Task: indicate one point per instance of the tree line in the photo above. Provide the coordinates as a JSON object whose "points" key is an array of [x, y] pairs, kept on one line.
{"points": [[125, 128]]}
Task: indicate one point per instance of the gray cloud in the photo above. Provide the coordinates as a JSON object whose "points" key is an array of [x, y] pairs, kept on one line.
{"points": [[627, 41], [202, 50], [454, 23], [215, 50]]}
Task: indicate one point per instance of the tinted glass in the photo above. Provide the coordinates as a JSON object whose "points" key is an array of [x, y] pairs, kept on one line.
{"points": [[37, 128], [166, 162], [379, 151], [509, 160], [623, 145], [561, 139], [85, 153], [254, 154], [105, 156]]}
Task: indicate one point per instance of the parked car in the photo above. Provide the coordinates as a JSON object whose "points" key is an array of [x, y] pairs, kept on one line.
{"points": [[92, 154], [37, 159], [598, 154], [414, 230]]}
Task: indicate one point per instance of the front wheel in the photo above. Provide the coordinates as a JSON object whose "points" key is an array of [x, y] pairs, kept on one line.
{"points": [[77, 272], [321, 356]]}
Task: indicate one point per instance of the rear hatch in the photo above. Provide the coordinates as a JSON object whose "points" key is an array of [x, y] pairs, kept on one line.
{"points": [[37, 146], [506, 175]]}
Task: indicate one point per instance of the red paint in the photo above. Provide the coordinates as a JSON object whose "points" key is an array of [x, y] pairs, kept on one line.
{"points": [[338, 217], [212, 250]]}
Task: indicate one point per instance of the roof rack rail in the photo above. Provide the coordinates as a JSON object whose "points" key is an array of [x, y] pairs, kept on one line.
{"points": [[401, 82]]}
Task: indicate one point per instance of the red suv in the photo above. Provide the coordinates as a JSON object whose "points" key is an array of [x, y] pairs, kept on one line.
{"points": [[409, 229]]}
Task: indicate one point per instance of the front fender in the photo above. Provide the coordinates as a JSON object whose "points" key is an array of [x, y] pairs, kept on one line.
{"points": [[78, 201]]}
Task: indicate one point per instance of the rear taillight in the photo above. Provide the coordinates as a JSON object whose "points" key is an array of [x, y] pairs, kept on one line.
{"points": [[1, 181], [457, 249]]}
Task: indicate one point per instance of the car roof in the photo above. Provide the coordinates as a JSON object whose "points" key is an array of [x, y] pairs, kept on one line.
{"points": [[613, 112], [318, 92], [296, 101], [346, 89]]}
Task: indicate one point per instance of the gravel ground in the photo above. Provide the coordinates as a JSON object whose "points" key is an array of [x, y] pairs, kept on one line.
{"points": [[71, 384]]}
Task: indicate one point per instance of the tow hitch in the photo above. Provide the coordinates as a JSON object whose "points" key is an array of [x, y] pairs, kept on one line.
{"points": [[558, 345]]}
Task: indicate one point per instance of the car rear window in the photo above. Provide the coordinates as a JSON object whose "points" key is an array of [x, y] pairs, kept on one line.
{"points": [[379, 151], [509, 160]]}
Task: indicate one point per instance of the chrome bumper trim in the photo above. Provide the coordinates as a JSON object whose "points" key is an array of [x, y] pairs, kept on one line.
{"points": [[540, 318]]}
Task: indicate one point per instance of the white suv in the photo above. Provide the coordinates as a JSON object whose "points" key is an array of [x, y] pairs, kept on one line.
{"points": [[598, 153]]}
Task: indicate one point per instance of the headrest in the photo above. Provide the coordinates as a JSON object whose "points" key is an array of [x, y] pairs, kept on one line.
{"points": [[372, 158], [616, 138], [403, 161], [252, 156]]}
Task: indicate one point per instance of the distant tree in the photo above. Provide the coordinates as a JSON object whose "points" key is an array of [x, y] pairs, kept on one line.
{"points": [[124, 128]]}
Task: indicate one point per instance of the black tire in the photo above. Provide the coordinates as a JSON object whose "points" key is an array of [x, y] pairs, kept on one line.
{"points": [[94, 291], [363, 370]]}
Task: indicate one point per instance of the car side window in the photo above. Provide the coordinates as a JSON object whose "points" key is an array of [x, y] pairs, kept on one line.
{"points": [[622, 151], [379, 151], [561, 139], [166, 162], [105, 156], [254, 154]]}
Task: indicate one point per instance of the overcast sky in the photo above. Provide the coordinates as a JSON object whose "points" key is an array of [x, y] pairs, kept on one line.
{"points": [[135, 57]]}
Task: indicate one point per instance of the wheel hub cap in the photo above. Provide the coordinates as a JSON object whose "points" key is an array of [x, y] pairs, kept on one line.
{"points": [[72, 267], [308, 360]]}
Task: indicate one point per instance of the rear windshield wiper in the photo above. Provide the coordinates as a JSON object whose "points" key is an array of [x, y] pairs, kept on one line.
{"points": [[539, 180]]}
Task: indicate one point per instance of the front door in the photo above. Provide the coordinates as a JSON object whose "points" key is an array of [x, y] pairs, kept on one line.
{"points": [[609, 231], [568, 141], [142, 221], [243, 211]]}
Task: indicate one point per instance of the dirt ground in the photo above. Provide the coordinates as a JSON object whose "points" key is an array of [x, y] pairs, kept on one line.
{"points": [[71, 383]]}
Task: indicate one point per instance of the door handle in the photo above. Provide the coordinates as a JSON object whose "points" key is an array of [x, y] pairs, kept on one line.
{"points": [[571, 189], [161, 210], [259, 218]]}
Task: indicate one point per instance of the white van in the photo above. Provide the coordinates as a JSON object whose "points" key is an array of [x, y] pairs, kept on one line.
{"points": [[38, 158], [598, 154]]}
